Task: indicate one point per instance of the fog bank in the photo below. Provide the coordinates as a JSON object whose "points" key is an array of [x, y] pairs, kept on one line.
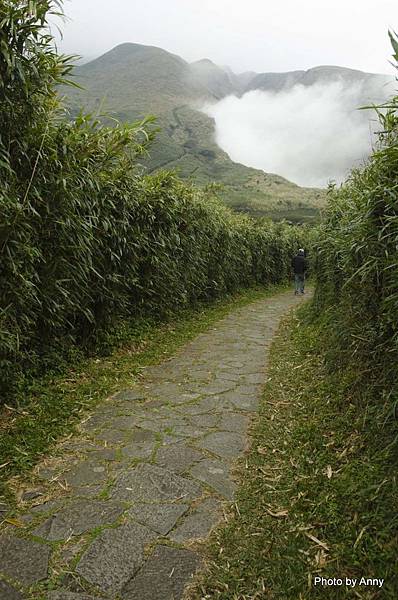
{"points": [[310, 135]]}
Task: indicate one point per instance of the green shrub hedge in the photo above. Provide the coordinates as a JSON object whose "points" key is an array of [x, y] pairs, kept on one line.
{"points": [[356, 262], [85, 238]]}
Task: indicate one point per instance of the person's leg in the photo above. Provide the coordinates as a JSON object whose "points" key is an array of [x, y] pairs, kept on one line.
{"points": [[302, 283], [296, 283]]}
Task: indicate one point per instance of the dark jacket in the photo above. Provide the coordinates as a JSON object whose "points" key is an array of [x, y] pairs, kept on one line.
{"points": [[299, 264]]}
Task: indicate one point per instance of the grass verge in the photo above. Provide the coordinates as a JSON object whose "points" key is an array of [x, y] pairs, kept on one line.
{"points": [[51, 406], [318, 496]]}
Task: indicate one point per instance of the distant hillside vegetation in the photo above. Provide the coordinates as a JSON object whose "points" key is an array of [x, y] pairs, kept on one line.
{"points": [[132, 81], [370, 84]]}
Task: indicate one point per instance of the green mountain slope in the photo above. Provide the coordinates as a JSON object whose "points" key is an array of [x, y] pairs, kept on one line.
{"points": [[370, 85], [132, 81], [216, 80]]}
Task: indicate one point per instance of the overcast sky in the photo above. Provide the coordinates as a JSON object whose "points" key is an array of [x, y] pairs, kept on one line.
{"points": [[258, 35]]}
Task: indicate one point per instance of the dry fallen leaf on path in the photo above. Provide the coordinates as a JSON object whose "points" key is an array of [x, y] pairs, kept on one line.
{"points": [[279, 515], [14, 522], [315, 539], [320, 558], [359, 537]]}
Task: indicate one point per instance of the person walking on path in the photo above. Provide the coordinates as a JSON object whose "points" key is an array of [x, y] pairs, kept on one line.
{"points": [[299, 265]]}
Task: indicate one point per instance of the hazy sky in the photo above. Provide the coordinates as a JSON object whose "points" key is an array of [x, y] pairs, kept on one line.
{"points": [[257, 35]]}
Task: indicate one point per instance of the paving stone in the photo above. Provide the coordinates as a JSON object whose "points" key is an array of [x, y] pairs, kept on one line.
{"points": [[127, 422], [88, 492], [143, 450], [49, 506], [78, 446], [164, 576], [129, 395], [164, 412], [181, 399], [216, 475], [234, 422], [77, 518], [141, 444], [4, 508], [217, 387], [150, 483], [142, 435], [227, 367], [177, 457], [85, 473], [214, 404], [169, 440], [160, 424], [236, 364], [185, 397], [225, 444], [193, 409], [198, 524], [166, 391], [30, 495], [95, 421], [159, 517], [253, 366], [154, 371], [107, 454], [28, 518], [49, 473], [246, 403], [249, 390], [200, 375], [255, 378], [23, 560], [205, 420], [7, 592], [151, 404], [188, 431], [126, 407], [66, 595], [113, 436], [115, 556], [227, 376]]}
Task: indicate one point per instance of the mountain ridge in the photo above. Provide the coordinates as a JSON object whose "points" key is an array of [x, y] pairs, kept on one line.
{"points": [[137, 80], [124, 46]]}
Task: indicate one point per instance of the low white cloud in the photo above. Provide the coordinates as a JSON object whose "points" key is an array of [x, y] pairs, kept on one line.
{"points": [[309, 135]]}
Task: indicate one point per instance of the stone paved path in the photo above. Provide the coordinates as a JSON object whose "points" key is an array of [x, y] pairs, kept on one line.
{"points": [[117, 513]]}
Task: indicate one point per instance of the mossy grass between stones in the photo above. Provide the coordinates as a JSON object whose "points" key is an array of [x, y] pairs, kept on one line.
{"points": [[52, 406]]}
